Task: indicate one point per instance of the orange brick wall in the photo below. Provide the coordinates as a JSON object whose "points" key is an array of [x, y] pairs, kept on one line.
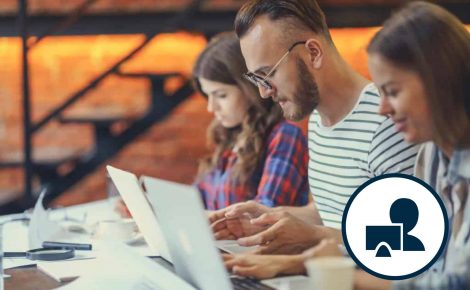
{"points": [[64, 6], [60, 6], [107, 6], [61, 64]]}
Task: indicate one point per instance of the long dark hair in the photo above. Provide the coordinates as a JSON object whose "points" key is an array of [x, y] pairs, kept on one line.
{"points": [[432, 42], [222, 61]]}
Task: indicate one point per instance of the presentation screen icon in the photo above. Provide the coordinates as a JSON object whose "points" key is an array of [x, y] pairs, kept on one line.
{"points": [[395, 226], [383, 239], [404, 213]]}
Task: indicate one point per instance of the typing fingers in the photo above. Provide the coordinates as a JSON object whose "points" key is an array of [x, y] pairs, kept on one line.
{"points": [[268, 218], [261, 238], [224, 234]]}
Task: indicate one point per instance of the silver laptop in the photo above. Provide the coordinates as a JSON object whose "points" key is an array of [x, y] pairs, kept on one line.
{"points": [[131, 192], [195, 256], [129, 187]]}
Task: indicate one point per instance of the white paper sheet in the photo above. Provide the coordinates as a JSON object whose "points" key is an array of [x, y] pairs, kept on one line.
{"points": [[41, 228], [63, 271], [15, 234], [139, 273], [15, 239]]}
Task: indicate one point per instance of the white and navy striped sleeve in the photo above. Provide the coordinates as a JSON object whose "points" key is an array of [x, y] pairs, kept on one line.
{"points": [[389, 152]]}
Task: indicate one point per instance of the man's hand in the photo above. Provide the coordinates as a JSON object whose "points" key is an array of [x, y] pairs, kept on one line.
{"points": [[251, 208], [284, 234], [268, 266], [233, 229], [263, 267], [233, 222]]}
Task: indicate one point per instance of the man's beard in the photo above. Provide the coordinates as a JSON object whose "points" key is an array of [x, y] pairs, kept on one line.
{"points": [[306, 96]]}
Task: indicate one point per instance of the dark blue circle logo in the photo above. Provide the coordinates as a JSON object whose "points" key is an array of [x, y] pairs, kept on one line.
{"points": [[395, 226]]}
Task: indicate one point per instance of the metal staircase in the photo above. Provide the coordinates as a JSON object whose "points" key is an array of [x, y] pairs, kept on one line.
{"points": [[45, 164]]}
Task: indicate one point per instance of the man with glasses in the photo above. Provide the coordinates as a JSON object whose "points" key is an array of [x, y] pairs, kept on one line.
{"points": [[293, 60]]}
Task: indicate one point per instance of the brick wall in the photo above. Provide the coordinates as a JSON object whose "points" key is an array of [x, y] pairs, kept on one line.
{"points": [[109, 6], [60, 65], [63, 6]]}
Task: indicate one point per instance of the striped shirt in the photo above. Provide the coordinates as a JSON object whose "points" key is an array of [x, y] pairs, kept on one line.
{"points": [[451, 179], [342, 157], [281, 178]]}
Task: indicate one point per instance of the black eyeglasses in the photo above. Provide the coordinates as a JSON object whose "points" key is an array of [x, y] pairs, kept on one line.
{"points": [[262, 82]]}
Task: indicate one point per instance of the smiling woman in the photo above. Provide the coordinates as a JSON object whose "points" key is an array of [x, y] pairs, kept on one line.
{"points": [[404, 91], [419, 60], [257, 154], [423, 76]]}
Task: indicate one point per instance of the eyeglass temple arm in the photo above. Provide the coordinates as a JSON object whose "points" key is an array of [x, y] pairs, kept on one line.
{"points": [[283, 57]]}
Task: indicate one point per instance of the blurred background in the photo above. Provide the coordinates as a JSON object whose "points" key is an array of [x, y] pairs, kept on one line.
{"points": [[85, 83]]}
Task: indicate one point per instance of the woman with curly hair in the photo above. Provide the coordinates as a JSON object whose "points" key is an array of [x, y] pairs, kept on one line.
{"points": [[257, 154]]}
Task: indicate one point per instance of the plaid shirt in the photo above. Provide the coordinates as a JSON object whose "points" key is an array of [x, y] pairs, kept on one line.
{"points": [[451, 179], [280, 180]]}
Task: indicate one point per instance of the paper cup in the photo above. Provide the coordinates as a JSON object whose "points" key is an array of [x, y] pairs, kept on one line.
{"points": [[331, 273]]}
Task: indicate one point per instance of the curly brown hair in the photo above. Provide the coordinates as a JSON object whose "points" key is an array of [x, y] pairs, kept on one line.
{"points": [[222, 61]]}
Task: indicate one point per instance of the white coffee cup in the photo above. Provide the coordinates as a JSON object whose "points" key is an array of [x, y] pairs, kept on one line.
{"points": [[119, 229], [331, 273]]}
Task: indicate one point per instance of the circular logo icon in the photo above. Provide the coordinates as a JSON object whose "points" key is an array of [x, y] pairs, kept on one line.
{"points": [[395, 226]]}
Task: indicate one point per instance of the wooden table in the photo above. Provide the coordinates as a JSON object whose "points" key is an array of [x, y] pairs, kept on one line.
{"points": [[29, 278]]}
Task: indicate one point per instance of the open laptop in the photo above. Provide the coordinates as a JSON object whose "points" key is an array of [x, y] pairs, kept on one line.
{"points": [[195, 256], [131, 192]]}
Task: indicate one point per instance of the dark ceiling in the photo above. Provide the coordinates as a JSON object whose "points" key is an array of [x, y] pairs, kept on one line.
{"points": [[152, 16]]}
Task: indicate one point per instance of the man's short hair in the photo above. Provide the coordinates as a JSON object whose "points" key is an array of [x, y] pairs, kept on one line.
{"points": [[306, 14]]}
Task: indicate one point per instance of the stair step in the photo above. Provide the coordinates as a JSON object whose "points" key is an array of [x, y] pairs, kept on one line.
{"points": [[102, 116], [9, 195], [46, 156], [11, 201]]}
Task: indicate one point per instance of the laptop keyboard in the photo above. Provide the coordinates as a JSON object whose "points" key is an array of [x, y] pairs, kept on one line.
{"points": [[248, 284]]}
